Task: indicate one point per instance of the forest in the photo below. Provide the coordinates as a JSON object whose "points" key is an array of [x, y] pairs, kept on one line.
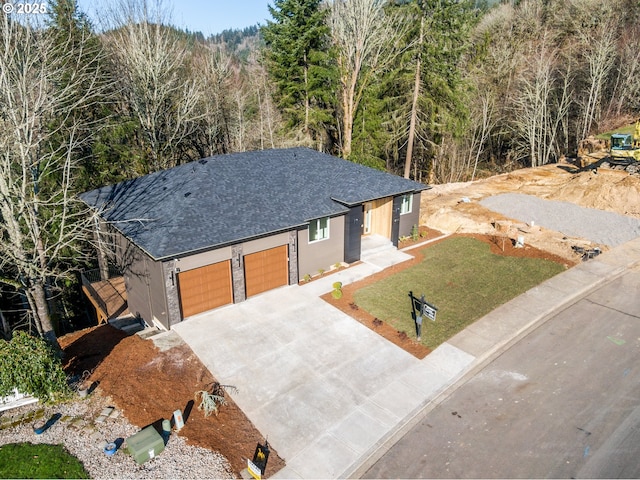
{"points": [[433, 90]]}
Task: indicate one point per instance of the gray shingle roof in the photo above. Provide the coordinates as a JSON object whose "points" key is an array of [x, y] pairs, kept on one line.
{"points": [[229, 198]]}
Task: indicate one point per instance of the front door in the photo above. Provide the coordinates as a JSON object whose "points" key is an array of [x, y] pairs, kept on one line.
{"points": [[368, 214], [353, 227]]}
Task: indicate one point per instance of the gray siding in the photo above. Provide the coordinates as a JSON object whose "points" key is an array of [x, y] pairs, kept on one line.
{"points": [[265, 243], [408, 220], [145, 282], [135, 267], [202, 259], [315, 256], [157, 294]]}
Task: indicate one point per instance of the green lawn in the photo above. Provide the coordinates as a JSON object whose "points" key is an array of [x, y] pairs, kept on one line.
{"points": [[27, 460], [462, 278]]}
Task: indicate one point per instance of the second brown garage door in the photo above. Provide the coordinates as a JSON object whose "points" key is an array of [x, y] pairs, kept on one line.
{"points": [[266, 270], [205, 288]]}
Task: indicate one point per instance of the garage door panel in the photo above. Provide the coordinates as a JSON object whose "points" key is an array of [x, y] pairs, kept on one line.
{"points": [[205, 288], [266, 270]]}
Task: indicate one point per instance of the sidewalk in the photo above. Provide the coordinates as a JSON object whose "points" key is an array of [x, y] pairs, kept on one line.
{"points": [[330, 394]]}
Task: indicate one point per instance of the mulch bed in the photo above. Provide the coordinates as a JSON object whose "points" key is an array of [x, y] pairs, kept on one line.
{"points": [[148, 385]]}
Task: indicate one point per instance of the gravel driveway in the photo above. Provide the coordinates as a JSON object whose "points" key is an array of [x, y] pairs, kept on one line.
{"points": [[598, 226]]}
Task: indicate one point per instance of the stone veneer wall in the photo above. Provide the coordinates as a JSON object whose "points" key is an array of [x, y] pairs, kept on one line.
{"points": [[237, 274]]}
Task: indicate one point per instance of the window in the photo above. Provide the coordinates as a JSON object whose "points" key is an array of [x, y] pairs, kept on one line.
{"points": [[319, 229], [407, 203]]}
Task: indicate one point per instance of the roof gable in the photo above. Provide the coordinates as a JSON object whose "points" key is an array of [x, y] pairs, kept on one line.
{"points": [[229, 198]]}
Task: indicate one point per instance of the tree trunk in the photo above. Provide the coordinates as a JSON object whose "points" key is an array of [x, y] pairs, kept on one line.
{"points": [[307, 105], [6, 331], [414, 104], [348, 97], [37, 292]]}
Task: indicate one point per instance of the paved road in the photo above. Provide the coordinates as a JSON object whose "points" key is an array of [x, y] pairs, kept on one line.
{"points": [[563, 402]]}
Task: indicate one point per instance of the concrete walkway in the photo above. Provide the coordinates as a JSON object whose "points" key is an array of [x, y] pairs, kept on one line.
{"points": [[330, 394]]}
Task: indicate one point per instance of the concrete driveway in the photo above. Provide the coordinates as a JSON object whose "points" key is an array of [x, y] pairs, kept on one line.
{"points": [[331, 395], [322, 387]]}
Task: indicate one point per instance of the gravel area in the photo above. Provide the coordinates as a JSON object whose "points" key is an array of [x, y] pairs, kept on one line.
{"points": [[598, 226], [178, 460]]}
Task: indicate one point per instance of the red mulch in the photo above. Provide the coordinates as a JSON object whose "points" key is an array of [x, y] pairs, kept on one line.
{"points": [[148, 385]]}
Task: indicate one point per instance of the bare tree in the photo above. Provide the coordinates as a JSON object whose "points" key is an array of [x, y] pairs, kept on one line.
{"points": [[483, 120], [43, 85], [215, 65], [541, 104], [625, 96], [363, 38], [150, 64], [599, 50]]}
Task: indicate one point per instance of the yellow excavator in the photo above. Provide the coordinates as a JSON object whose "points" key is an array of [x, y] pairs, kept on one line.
{"points": [[625, 147]]}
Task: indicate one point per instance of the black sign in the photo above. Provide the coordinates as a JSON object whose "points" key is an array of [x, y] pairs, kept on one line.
{"points": [[261, 456]]}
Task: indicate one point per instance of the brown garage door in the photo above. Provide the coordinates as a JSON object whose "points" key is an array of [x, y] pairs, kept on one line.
{"points": [[266, 270], [205, 288]]}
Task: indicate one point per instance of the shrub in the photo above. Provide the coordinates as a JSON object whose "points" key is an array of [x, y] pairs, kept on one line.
{"points": [[210, 401], [415, 233], [337, 290], [31, 366]]}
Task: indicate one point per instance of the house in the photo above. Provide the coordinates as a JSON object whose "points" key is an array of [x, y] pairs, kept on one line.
{"points": [[222, 229]]}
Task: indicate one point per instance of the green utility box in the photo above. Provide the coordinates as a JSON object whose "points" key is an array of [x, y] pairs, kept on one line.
{"points": [[145, 444]]}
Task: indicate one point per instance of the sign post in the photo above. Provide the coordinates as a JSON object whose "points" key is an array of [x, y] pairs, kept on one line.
{"points": [[421, 308]]}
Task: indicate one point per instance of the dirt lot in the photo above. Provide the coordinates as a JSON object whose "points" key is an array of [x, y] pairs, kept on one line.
{"points": [[148, 385], [445, 208]]}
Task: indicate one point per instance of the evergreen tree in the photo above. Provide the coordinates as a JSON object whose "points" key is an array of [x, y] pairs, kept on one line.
{"points": [[75, 40], [430, 88], [298, 63]]}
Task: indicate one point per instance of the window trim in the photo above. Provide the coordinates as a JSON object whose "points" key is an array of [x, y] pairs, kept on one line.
{"points": [[409, 202], [318, 229]]}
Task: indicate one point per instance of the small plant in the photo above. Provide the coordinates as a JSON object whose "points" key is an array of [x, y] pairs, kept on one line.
{"points": [[337, 265], [337, 290], [423, 234], [321, 271], [415, 233], [211, 401], [307, 278]]}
